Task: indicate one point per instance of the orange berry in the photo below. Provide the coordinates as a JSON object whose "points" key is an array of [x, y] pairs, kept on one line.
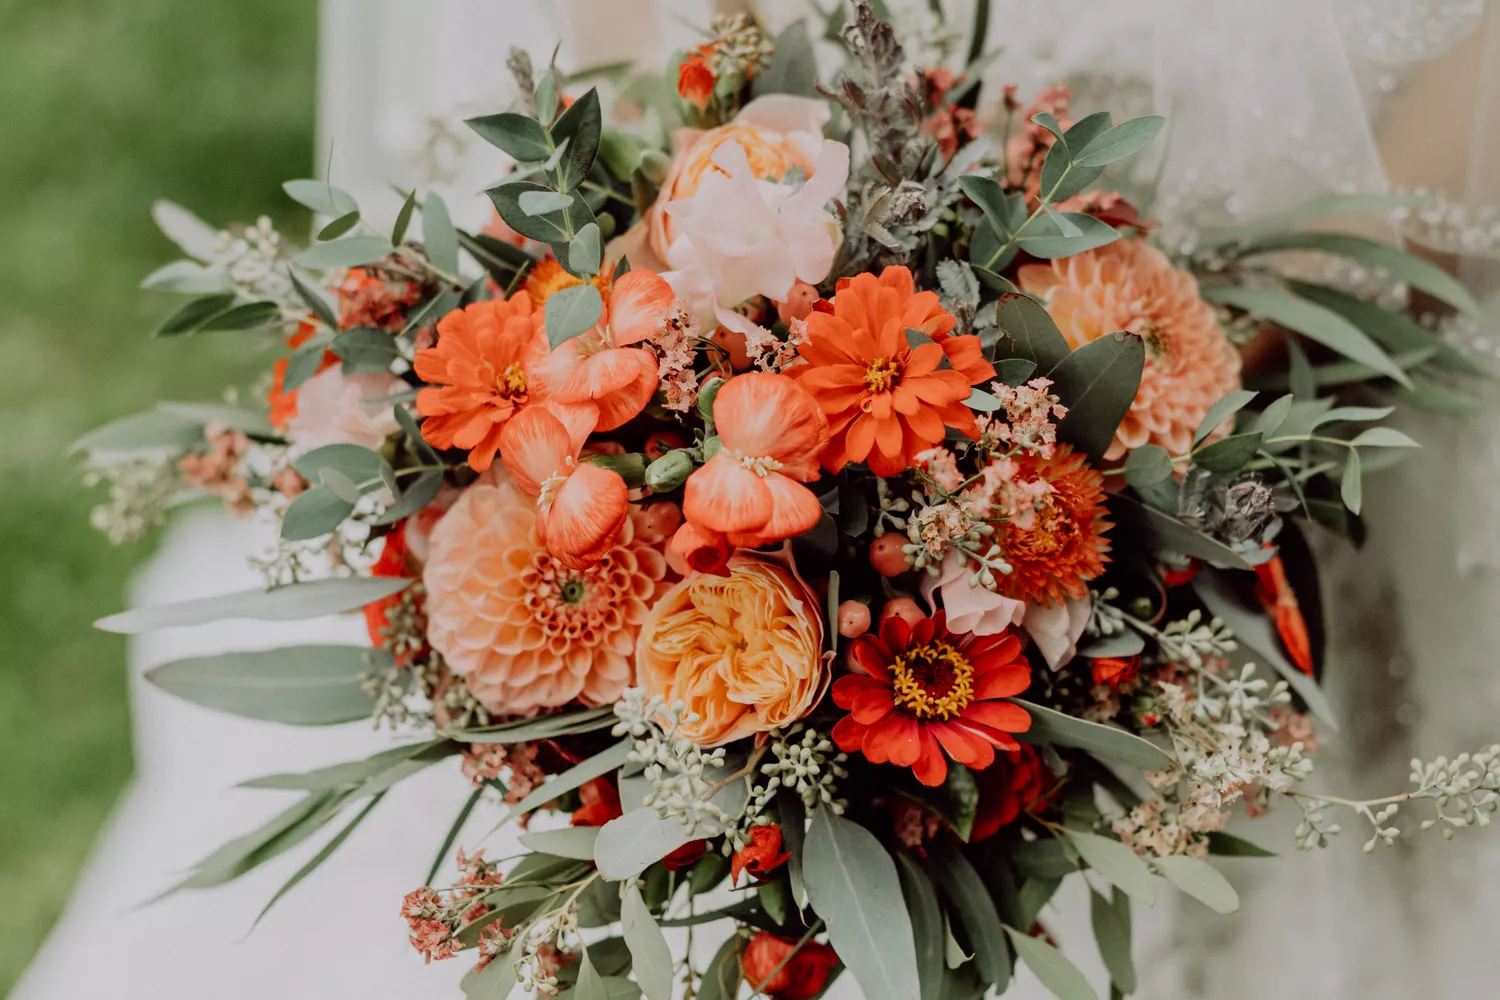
{"points": [[854, 619], [886, 555], [905, 608]]}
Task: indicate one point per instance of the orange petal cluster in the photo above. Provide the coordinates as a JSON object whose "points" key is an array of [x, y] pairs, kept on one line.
{"points": [[885, 400], [525, 631], [481, 372], [1128, 285], [1057, 551], [924, 694], [750, 492]]}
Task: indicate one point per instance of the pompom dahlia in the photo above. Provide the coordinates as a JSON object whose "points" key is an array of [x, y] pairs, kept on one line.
{"points": [[1127, 285], [925, 694], [523, 630]]}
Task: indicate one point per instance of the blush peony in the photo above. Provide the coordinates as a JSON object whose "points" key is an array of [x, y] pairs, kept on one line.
{"points": [[744, 651], [334, 408], [523, 630], [1127, 285]]}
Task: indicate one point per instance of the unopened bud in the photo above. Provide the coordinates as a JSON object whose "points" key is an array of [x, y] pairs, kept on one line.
{"points": [[654, 166], [670, 471]]}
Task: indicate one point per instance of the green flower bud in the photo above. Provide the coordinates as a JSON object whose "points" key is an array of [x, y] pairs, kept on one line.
{"points": [[670, 471], [706, 394], [654, 165]]}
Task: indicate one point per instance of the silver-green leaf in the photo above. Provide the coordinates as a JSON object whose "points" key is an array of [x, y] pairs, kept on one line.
{"points": [[291, 602], [297, 685]]}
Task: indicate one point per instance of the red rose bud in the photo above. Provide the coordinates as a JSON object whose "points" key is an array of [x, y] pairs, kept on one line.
{"points": [[759, 857], [601, 803], [686, 856], [695, 81], [1176, 576], [1016, 781], [1116, 670], [802, 977]]}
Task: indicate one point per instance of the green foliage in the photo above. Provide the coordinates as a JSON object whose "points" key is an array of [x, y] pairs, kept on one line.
{"points": [[1199, 879], [976, 912], [572, 311], [1049, 726], [1097, 383], [291, 602], [794, 68], [296, 685], [1120, 865], [1111, 922], [1051, 968], [1030, 334], [926, 924]]}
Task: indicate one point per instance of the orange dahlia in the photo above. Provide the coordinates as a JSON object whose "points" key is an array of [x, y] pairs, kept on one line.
{"points": [[480, 371], [885, 400], [525, 631], [924, 694], [1127, 285], [1059, 544]]}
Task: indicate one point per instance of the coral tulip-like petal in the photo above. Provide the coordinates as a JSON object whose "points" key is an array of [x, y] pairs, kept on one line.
{"points": [[725, 496], [587, 512], [639, 303], [619, 406], [765, 415], [1000, 715], [534, 446], [703, 551]]}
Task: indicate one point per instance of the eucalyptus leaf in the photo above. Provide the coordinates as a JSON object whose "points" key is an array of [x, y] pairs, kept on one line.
{"points": [[1228, 845], [1014, 371], [553, 227], [1383, 437], [721, 977], [1320, 207], [338, 227], [1097, 383], [416, 496], [1125, 643], [350, 774], [188, 277], [296, 685], [1269, 421], [631, 843], [571, 312], [315, 512], [403, 220], [150, 433], [1111, 923], [321, 196], [194, 314], [323, 854], [521, 136], [580, 127], [293, 601], [1125, 139], [794, 68], [1060, 976], [438, 234], [339, 485], [1220, 412], [356, 462], [585, 253], [576, 842], [1230, 454], [1395, 332], [593, 767], [351, 251], [544, 728], [1165, 532], [792, 812], [1045, 237], [966, 893], [1312, 321], [1199, 879], [652, 960], [1049, 726], [1148, 465], [1033, 336], [927, 926], [543, 202], [981, 401], [853, 886], [1119, 864], [1351, 486], [1396, 262]]}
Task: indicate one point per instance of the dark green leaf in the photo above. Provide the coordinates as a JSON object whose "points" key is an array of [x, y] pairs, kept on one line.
{"points": [[349, 252], [315, 301], [721, 978], [1097, 383], [1046, 238], [245, 316], [586, 770], [927, 925], [1049, 726], [852, 884], [1111, 921], [552, 228], [416, 496], [359, 464], [793, 70], [294, 601], [1014, 371], [1147, 465], [403, 221], [314, 513], [365, 350], [438, 235], [992, 200], [1126, 643], [1052, 970], [452, 836], [1125, 139], [193, 315], [1393, 331], [1228, 845], [1032, 335], [297, 685], [1036, 893], [338, 227], [1393, 260], [1351, 488], [792, 813], [1165, 533], [1221, 411], [580, 126], [349, 774], [571, 312], [1043, 858], [501, 259], [522, 137], [965, 891], [1230, 454], [280, 834], [546, 727], [1312, 321]]}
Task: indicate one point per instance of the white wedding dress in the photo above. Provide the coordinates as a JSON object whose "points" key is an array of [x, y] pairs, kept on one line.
{"points": [[1271, 102]]}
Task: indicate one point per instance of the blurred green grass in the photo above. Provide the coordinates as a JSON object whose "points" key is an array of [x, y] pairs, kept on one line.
{"points": [[107, 106]]}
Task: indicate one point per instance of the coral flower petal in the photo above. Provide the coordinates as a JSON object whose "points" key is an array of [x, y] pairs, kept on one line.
{"points": [[619, 406], [725, 496], [768, 415], [639, 303], [534, 446], [965, 746], [1000, 715], [587, 513], [931, 768], [1002, 683]]}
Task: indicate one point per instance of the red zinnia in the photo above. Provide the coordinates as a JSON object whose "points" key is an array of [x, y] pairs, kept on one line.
{"points": [[599, 802], [924, 691], [1116, 670], [1017, 781]]}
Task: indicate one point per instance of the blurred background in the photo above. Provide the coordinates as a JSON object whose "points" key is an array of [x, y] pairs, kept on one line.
{"points": [[107, 107]]}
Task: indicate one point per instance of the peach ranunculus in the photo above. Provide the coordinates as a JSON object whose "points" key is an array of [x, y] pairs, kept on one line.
{"points": [[602, 371], [739, 236], [1127, 285], [777, 132], [743, 651], [751, 490], [525, 631], [482, 372], [580, 507], [334, 408]]}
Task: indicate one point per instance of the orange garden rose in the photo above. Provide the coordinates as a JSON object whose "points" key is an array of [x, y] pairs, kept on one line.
{"points": [[924, 694], [743, 651], [482, 371], [1056, 551], [1127, 285], [886, 401], [525, 631]]}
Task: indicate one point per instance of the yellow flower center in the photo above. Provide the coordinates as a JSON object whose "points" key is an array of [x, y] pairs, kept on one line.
{"points": [[934, 681], [761, 465], [882, 375], [511, 383]]}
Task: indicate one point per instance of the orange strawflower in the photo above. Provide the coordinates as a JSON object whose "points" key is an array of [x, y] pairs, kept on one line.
{"points": [[887, 401], [1127, 285], [695, 80], [1059, 545], [580, 507], [923, 692], [367, 299], [482, 372], [602, 371], [751, 490], [548, 276]]}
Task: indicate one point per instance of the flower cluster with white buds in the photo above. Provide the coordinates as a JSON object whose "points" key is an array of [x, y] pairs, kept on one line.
{"points": [[811, 766], [677, 768], [1191, 641]]}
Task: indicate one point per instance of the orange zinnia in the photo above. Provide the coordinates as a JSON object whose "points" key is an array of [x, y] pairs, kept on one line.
{"points": [[924, 691], [482, 371], [885, 400], [601, 370], [1058, 549], [751, 490]]}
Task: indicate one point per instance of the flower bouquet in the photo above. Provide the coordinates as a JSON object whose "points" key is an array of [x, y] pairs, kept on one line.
{"points": [[820, 516]]}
